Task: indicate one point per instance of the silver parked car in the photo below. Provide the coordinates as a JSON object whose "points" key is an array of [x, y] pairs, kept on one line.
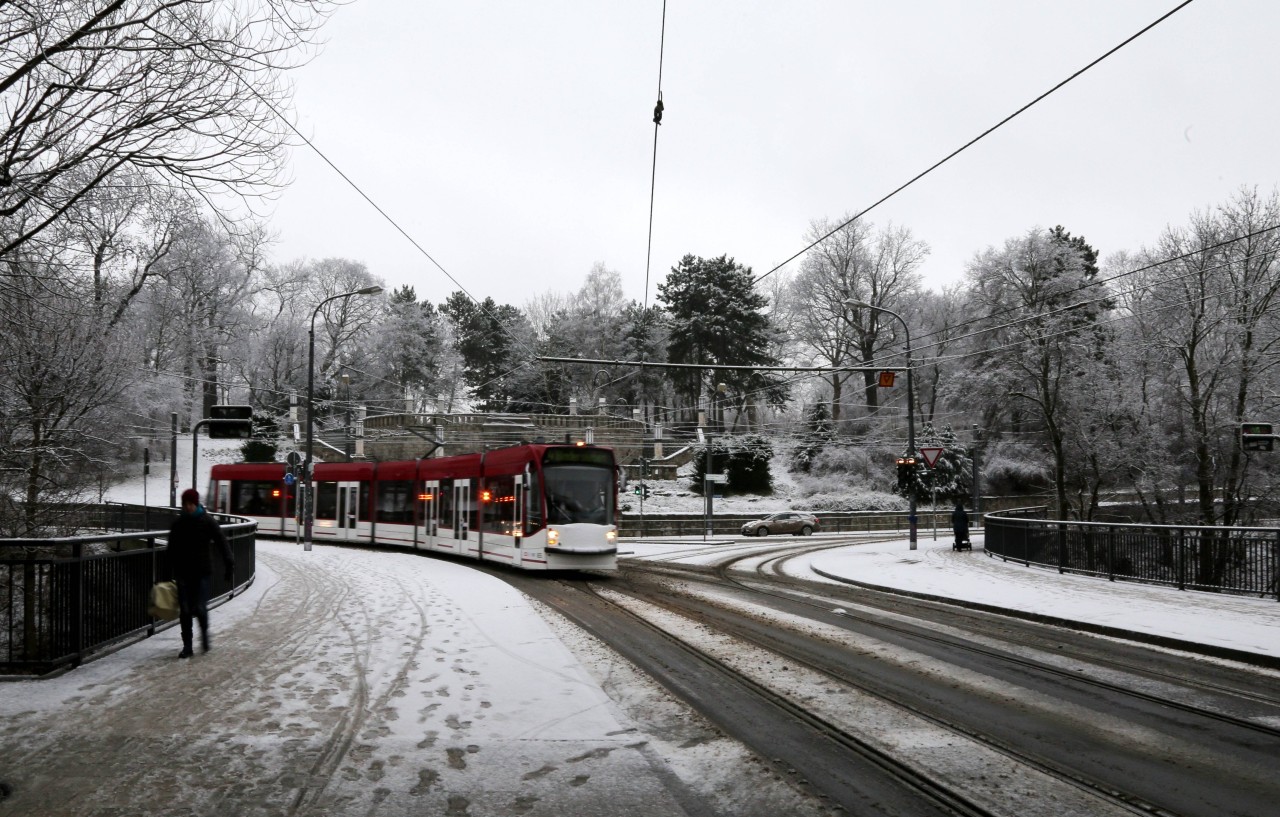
{"points": [[794, 522]]}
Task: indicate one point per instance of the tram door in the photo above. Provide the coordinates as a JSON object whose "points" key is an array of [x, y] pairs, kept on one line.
{"points": [[429, 512], [461, 512], [356, 511], [521, 496], [338, 505]]}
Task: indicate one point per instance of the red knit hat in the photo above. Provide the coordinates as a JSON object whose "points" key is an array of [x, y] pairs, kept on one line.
{"points": [[191, 495]]}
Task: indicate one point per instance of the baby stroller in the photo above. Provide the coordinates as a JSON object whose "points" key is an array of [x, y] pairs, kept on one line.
{"points": [[960, 524]]}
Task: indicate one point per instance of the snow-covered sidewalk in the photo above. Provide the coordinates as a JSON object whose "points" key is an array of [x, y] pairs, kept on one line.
{"points": [[354, 682], [1239, 623]]}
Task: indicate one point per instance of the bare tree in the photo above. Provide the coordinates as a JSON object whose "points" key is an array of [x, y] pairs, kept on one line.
{"points": [[180, 93], [941, 318], [1213, 311], [1041, 302], [855, 263], [62, 372], [344, 321]]}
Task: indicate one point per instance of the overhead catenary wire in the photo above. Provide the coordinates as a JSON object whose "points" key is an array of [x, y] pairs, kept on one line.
{"points": [[975, 139], [427, 255], [351, 183], [653, 173], [1090, 285], [1105, 296]]}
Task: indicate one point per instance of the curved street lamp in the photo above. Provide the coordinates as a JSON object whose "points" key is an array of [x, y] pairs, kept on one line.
{"points": [[911, 401], [309, 514]]}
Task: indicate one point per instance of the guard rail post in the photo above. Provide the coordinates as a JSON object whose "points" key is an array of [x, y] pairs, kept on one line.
{"points": [[77, 603]]}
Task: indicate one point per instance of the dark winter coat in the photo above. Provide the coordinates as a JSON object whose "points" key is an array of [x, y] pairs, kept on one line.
{"points": [[960, 522], [192, 538]]}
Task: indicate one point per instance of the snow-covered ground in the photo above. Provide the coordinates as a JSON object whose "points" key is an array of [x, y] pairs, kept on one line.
{"points": [[347, 681], [1232, 622]]}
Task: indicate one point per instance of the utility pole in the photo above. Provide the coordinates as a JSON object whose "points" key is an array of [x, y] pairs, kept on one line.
{"points": [[977, 494], [173, 461], [644, 488]]}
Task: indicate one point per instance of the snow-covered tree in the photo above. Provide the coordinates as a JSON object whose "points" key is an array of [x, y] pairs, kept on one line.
{"points": [[716, 317]]}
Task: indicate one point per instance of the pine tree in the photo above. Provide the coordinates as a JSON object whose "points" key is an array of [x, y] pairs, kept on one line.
{"points": [[951, 474], [716, 317], [818, 432]]}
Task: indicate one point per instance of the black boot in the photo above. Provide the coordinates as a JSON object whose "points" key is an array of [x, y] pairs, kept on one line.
{"points": [[204, 641], [187, 652]]}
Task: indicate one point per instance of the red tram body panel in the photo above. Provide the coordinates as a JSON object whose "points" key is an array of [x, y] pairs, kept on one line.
{"points": [[534, 507]]}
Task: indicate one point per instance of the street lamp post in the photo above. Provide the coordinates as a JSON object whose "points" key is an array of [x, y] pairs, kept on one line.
{"points": [[911, 412], [309, 514]]}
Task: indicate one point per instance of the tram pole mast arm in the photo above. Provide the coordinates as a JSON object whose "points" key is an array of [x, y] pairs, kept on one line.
{"points": [[309, 514], [911, 411]]}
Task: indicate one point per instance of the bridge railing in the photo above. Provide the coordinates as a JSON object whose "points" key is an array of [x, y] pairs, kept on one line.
{"points": [[691, 524], [1208, 558], [64, 599]]}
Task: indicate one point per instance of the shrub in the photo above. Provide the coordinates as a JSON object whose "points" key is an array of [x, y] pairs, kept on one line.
{"points": [[258, 451]]}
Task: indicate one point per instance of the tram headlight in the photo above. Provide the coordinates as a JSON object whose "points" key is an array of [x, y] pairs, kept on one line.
{"points": [[553, 538], [611, 537]]}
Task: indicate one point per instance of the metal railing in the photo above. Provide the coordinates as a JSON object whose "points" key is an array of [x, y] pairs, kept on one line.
{"points": [[65, 598], [831, 522], [1207, 558]]}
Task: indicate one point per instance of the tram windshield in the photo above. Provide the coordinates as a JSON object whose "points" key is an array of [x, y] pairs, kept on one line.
{"points": [[579, 493]]}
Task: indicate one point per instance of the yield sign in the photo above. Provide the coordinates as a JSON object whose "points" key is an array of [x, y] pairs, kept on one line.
{"points": [[930, 455]]}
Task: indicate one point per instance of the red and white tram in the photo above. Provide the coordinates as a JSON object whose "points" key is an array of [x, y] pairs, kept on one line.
{"points": [[535, 507]]}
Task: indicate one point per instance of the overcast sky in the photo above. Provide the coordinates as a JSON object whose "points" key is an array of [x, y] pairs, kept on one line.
{"points": [[514, 140]]}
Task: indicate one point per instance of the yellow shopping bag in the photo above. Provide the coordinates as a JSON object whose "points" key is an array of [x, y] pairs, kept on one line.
{"points": [[164, 601]]}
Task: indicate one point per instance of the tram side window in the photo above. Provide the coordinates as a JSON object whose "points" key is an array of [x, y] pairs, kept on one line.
{"points": [[395, 502], [327, 500], [500, 507], [533, 508], [255, 498]]}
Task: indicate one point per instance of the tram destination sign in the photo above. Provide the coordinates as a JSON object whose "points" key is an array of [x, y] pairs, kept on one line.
{"points": [[578, 455]]}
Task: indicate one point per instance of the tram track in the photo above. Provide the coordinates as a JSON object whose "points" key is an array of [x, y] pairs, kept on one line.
{"points": [[848, 752], [813, 752], [1101, 739], [1104, 794], [1226, 693], [820, 606]]}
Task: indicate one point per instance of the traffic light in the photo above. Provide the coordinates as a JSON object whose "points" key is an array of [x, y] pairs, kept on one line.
{"points": [[1256, 437], [641, 490], [906, 465]]}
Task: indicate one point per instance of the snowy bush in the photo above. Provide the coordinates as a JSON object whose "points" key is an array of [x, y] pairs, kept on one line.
{"points": [[1011, 469], [859, 499], [842, 460], [744, 459], [258, 451]]}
